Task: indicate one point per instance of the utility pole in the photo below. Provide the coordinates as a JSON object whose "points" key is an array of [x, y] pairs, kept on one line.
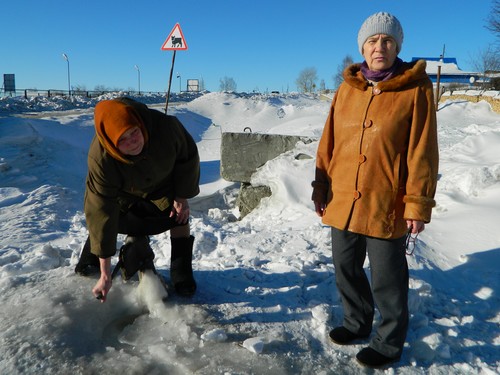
{"points": [[138, 78], [65, 57], [438, 79]]}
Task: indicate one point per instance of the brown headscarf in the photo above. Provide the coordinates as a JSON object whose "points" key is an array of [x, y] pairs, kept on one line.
{"points": [[112, 118]]}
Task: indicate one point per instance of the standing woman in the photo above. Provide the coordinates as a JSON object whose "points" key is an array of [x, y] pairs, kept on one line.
{"points": [[376, 174]]}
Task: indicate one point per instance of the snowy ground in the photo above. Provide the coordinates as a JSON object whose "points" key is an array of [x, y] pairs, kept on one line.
{"points": [[267, 297]]}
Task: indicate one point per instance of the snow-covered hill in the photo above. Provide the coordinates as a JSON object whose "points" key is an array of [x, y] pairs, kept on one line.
{"points": [[267, 297]]}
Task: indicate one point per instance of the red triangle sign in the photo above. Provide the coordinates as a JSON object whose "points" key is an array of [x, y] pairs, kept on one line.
{"points": [[175, 40]]}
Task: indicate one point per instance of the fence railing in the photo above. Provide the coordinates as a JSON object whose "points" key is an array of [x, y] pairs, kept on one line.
{"points": [[490, 96], [30, 93]]}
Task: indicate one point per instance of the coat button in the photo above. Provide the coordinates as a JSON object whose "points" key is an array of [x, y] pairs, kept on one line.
{"points": [[367, 123], [376, 91], [361, 159], [357, 195]]}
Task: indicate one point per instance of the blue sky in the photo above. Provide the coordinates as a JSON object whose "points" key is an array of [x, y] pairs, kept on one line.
{"points": [[261, 44]]}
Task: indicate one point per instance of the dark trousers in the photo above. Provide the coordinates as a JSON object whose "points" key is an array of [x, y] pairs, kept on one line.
{"points": [[144, 218], [389, 287]]}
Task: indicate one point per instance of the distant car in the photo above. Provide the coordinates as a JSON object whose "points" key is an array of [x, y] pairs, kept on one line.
{"points": [[275, 92]]}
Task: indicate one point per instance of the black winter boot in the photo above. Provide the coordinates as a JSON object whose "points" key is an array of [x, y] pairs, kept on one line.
{"points": [[369, 357], [88, 264], [181, 268], [342, 336], [136, 255]]}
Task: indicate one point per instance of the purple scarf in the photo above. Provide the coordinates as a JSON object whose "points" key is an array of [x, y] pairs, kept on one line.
{"points": [[380, 75]]}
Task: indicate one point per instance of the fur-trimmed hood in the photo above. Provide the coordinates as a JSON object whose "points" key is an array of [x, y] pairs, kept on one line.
{"points": [[409, 73]]}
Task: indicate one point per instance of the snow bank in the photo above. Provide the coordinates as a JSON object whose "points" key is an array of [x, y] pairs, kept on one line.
{"points": [[266, 295]]}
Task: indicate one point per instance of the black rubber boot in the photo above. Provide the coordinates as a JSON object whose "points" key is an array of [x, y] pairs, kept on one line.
{"points": [[369, 357], [342, 336], [135, 255], [181, 268], [88, 264]]}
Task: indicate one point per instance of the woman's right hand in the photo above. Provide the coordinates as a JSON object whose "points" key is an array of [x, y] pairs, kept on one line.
{"points": [[103, 285]]}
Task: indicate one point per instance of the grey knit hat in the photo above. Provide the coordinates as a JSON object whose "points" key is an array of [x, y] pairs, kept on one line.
{"points": [[380, 23]]}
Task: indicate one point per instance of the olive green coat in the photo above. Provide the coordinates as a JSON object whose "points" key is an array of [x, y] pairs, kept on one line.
{"points": [[168, 167], [377, 160]]}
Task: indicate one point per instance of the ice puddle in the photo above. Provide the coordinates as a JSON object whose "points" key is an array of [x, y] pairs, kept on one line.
{"points": [[183, 338], [162, 320]]}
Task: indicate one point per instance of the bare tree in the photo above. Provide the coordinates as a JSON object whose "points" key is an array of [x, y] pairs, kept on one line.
{"points": [[101, 88], [79, 87], [486, 61], [339, 77], [494, 18], [227, 84], [322, 85], [307, 80]]}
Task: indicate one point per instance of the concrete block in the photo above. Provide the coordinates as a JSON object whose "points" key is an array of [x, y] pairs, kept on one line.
{"points": [[250, 197], [243, 153]]}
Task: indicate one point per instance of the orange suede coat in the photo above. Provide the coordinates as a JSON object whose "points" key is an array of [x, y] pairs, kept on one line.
{"points": [[377, 160]]}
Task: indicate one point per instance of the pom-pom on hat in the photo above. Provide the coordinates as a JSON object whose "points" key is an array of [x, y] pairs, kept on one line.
{"points": [[380, 23]]}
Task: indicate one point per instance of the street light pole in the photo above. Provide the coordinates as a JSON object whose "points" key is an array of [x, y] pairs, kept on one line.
{"points": [[138, 78], [69, 82]]}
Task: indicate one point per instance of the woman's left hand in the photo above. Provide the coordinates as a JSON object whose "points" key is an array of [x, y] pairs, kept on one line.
{"points": [[180, 210], [415, 226]]}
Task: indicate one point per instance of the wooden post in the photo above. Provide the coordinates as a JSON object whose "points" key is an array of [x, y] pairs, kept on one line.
{"points": [[437, 86], [170, 81]]}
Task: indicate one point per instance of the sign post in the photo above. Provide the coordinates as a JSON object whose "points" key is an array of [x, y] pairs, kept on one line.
{"points": [[174, 42]]}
